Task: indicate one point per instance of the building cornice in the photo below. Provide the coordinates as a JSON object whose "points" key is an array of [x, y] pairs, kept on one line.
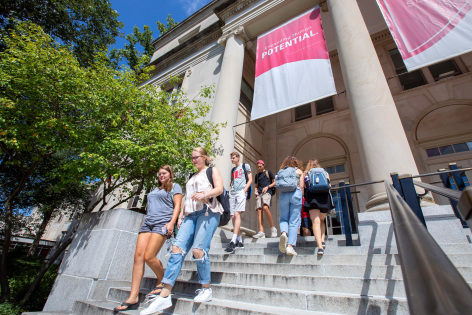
{"points": [[191, 46]]}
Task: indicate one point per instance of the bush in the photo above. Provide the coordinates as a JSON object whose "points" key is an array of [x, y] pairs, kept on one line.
{"points": [[9, 309], [22, 273]]}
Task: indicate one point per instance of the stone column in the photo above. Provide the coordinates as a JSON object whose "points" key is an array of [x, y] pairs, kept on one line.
{"points": [[225, 106], [379, 132]]}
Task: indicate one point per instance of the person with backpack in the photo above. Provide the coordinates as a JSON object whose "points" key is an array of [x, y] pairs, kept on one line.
{"points": [[162, 210], [290, 183], [197, 222], [264, 189], [318, 200], [241, 181]]}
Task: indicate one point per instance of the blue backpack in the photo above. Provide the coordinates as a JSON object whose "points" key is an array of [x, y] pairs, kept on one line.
{"points": [[286, 179], [317, 181]]}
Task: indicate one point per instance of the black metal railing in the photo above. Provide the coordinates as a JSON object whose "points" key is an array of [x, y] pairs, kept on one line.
{"points": [[348, 215], [433, 284], [405, 185]]}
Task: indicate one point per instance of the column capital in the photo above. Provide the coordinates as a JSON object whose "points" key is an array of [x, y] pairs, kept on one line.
{"points": [[238, 31]]}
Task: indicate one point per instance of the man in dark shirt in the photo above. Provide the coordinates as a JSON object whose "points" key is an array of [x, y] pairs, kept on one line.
{"points": [[265, 188]]}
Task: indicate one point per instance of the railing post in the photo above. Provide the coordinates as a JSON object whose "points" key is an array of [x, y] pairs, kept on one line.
{"points": [[457, 177], [345, 213], [411, 198], [447, 183], [396, 183], [350, 209]]}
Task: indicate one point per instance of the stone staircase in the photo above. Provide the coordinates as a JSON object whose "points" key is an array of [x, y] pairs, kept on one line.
{"points": [[260, 280]]}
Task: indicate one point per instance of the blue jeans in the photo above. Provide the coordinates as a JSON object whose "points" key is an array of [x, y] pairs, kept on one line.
{"points": [[290, 206], [196, 231]]}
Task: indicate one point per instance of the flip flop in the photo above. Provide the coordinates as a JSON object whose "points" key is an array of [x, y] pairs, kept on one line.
{"points": [[129, 306], [151, 296]]}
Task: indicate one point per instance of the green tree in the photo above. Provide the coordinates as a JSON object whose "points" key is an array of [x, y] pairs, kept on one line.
{"points": [[135, 56], [109, 123], [164, 28], [132, 54], [86, 25]]}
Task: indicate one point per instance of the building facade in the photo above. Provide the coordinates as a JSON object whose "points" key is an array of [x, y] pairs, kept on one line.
{"points": [[382, 120]]}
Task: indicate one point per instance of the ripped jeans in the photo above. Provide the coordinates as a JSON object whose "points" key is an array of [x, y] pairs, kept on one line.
{"points": [[196, 231]]}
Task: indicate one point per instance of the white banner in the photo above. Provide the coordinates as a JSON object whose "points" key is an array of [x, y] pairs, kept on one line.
{"points": [[292, 66], [429, 31]]}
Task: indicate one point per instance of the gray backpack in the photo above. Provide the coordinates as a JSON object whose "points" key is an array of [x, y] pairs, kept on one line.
{"points": [[286, 179]]}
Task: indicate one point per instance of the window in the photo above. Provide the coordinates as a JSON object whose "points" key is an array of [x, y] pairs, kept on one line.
{"points": [[336, 169], [408, 80], [303, 112], [324, 106], [246, 95], [444, 69], [449, 149]]}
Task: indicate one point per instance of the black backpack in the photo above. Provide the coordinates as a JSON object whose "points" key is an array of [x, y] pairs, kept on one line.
{"points": [[223, 199]]}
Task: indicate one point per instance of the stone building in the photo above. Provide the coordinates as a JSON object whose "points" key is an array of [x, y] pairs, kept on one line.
{"points": [[382, 120]]}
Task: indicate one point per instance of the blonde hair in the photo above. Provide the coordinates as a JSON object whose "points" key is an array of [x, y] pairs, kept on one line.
{"points": [[170, 182], [312, 164], [291, 161], [203, 153]]}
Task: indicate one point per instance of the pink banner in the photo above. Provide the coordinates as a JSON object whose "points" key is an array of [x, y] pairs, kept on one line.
{"points": [[428, 31], [292, 66]]}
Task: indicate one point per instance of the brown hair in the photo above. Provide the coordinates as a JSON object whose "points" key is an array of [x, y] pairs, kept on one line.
{"points": [[291, 161], [203, 153], [234, 153], [167, 185], [312, 164]]}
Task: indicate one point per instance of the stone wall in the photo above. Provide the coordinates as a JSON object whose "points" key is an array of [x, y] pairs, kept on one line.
{"points": [[100, 256]]}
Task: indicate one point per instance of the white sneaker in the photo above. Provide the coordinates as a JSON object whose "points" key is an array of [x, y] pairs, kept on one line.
{"points": [[291, 251], [273, 232], [259, 234], [159, 304], [283, 243], [203, 295]]}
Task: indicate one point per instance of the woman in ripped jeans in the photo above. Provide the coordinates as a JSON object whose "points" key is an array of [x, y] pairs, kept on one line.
{"points": [[197, 223]]}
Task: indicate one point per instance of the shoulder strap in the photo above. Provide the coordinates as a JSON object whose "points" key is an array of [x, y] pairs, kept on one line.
{"points": [[209, 172], [232, 178], [245, 172], [267, 174]]}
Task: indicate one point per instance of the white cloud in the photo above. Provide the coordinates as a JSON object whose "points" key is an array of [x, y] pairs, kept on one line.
{"points": [[191, 6]]}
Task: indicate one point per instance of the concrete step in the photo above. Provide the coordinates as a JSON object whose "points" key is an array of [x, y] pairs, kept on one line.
{"points": [[349, 271], [353, 271], [293, 299], [288, 301], [459, 260], [183, 304], [308, 241], [350, 285], [271, 249]]}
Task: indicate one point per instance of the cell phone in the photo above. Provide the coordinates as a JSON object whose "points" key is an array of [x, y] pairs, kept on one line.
{"points": [[164, 230]]}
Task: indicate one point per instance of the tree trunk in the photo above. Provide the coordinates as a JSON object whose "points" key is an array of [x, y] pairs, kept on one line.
{"points": [[6, 246], [46, 218], [45, 268], [7, 237]]}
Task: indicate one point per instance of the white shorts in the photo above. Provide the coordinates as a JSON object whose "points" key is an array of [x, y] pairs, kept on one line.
{"points": [[237, 202]]}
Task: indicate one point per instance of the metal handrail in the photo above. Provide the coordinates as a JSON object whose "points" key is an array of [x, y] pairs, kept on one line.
{"points": [[432, 283], [357, 185], [443, 172], [446, 192]]}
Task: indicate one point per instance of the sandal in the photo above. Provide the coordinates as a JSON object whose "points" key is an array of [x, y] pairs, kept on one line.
{"points": [[129, 306], [151, 295]]}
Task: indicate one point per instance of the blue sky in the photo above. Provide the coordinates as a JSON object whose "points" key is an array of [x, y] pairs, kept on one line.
{"points": [[147, 12]]}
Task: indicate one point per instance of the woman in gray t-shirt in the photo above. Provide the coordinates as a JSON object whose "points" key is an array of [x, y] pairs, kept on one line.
{"points": [[163, 208]]}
